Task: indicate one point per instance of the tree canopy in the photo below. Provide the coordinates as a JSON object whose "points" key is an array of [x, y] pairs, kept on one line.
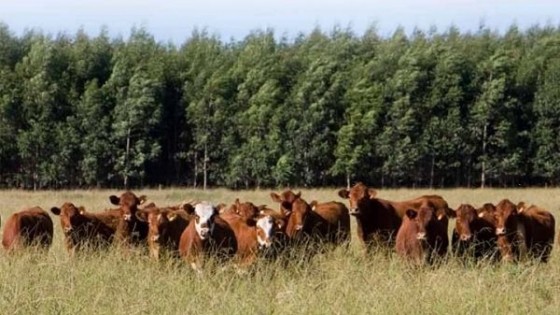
{"points": [[438, 108]]}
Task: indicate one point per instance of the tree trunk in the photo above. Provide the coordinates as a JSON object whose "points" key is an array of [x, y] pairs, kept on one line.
{"points": [[205, 166], [348, 181], [127, 152], [195, 168], [432, 172], [483, 166]]}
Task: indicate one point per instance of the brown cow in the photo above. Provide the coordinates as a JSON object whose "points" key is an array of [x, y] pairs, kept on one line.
{"points": [[539, 226], [249, 211], [510, 231], [130, 230], [474, 232], [419, 236], [246, 209], [83, 229], [28, 227], [251, 236], [327, 222], [379, 220], [207, 233], [165, 227]]}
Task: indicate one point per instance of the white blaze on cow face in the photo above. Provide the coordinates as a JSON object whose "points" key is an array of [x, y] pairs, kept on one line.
{"points": [[204, 223], [264, 231]]}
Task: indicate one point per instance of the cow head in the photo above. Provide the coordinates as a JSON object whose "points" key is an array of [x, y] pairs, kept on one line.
{"points": [[298, 212], [487, 213], [204, 216], [521, 206], [247, 210], [70, 216], [421, 219], [506, 217], [359, 195], [279, 219], [285, 199], [265, 231], [159, 221], [128, 203], [466, 214]]}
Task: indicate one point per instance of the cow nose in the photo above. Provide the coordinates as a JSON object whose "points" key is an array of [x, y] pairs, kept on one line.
{"points": [[500, 231], [155, 238], [127, 217], [354, 211], [466, 237], [265, 244], [299, 227], [203, 233], [67, 229], [421, 236]]}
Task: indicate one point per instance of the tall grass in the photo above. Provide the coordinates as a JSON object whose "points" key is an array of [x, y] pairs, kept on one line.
{"points": [[342, 281]]}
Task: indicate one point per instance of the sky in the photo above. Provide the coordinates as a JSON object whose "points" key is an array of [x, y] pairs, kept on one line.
{"points": [[174, 20]]}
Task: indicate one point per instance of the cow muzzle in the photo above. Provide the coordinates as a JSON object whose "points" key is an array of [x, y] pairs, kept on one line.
{"points": [[465, 237], [155, 237], [421, 236], [127, 217], [354, 211], [204, 233], [500, 231], [67, 229], [299, 227], [264, 244]]}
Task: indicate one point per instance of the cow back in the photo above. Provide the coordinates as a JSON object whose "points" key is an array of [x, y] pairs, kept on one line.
{"points": [[333, 220], [28, 227], [539, 227]]}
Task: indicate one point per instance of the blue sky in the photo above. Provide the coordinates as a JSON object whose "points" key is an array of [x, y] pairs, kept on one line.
{"points": [[174, 20]]}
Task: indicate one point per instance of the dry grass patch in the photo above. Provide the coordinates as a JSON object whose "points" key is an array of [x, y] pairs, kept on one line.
{"points": [[342, 281]]}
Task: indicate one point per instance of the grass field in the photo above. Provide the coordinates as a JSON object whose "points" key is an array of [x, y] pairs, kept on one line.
{"points": [[340, 282]]}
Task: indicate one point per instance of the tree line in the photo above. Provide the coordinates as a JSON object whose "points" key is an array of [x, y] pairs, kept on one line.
{"points": [[327, 108]]}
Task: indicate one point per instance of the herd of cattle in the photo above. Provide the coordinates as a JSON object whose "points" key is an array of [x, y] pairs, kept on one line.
{"points": [[416, 229]]}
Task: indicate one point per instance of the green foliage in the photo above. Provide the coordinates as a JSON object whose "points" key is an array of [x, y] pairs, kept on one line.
{"points": [[325, 108]]}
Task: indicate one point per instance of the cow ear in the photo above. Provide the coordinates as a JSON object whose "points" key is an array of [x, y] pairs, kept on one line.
{"points": [[150, 205], [343, 193], [55, 210], [279, 224], [189, 209], [234, 207], [286, 207], [114, 200], [251, 222], [142, 199], [298, 195], [521, 207], [142, 215], [313, 204], [172, 215], [372, 193], [275, 197], [452, 213], [411, 213], [237, 202], [221, 207], [82, 210]]}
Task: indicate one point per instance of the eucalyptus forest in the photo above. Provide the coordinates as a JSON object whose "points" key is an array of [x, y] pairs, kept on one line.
{"points": [[426, 108]]}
